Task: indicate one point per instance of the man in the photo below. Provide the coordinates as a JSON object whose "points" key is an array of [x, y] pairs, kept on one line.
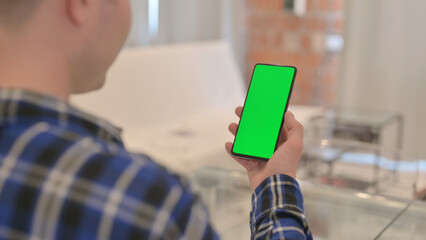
{"points": [[66, 175]]}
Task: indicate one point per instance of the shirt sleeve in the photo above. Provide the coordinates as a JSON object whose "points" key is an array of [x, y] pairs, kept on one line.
{"points": [[277, 210]]}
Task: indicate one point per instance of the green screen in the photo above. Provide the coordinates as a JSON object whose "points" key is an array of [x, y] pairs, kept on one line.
{"points": [[264, 111]]}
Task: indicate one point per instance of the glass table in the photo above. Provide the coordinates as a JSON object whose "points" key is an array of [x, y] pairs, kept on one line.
{"points": [[340, 214], [410, 224], [364, 125], [359, 166], [333, 213]]}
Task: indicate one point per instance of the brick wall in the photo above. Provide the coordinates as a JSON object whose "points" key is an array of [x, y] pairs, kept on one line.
{"points": [[280, 37]]}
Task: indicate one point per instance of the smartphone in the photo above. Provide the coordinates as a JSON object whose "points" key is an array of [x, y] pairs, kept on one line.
{"points": [[262, 118]]}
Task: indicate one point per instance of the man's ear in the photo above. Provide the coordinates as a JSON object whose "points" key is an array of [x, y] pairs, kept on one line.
{"points": [[78, 10]]}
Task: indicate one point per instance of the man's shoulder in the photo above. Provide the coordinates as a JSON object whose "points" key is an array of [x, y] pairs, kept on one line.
{"points": [[87, 176], [92, 188], [85, 157]]}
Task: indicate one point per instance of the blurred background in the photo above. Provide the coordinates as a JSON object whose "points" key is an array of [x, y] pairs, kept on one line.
{"points": [[367, 54], [359, 92]]}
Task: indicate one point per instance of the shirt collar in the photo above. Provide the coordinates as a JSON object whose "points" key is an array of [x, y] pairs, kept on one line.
{"points": [[24, 106]]}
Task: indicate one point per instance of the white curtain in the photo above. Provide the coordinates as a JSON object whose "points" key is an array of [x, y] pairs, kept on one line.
{"points": [[384, 63], [191, 21]]}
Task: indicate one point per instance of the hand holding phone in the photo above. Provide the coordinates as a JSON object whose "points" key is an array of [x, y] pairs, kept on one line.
{"points": [[285, 159], [263, 116], [261, 130]]}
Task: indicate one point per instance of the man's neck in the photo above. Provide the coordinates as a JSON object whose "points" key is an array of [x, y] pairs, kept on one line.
{"points": [[36, 71]]}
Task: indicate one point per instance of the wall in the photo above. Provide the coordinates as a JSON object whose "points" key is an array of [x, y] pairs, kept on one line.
{"points": [[258, 31], [279, 37], [384, 62]]}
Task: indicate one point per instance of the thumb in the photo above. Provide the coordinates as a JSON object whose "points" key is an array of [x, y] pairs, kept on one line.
{"points": [[295, 129], [294, 140]]}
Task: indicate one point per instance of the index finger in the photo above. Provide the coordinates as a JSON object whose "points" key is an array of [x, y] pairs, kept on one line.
{"points": [[239, 111]]}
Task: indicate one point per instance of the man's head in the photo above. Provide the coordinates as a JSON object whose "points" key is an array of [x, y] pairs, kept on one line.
{"points": [[79, 37]]}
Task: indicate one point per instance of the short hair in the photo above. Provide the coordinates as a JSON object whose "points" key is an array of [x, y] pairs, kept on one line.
{"points": [[14, 13]]}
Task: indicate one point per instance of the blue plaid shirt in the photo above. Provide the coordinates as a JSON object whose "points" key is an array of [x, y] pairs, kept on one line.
{"points": [[66, 175]]}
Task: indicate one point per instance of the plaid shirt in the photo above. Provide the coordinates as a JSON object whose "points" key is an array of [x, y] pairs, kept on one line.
{"points": [[278, 211], [66, 175]]}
